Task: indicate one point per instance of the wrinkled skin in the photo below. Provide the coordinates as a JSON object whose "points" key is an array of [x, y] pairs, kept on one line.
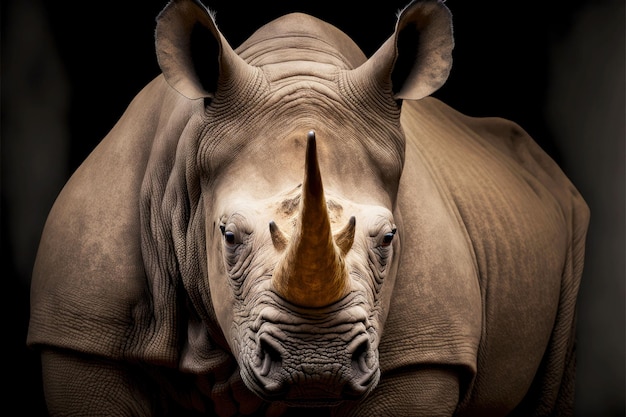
{"points": [[290, 224]]}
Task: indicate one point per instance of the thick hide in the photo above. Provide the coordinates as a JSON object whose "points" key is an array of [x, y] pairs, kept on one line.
{"points": [[291, 226]]}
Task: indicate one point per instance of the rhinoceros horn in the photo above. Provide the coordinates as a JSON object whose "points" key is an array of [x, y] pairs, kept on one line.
{"points": [[312, 272]]}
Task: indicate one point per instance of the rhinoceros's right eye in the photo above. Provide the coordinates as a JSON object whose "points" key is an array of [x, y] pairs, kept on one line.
{"points": [[229, 237]]}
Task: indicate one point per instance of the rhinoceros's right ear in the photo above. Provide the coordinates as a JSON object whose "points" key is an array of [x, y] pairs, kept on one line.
{"points": [[191, 51], [416, 60]]}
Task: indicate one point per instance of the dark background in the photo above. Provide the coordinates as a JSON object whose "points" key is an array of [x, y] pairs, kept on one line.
{"points": [[70, 69]]}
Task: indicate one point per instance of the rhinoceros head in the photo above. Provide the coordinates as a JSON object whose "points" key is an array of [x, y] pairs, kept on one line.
{"points": [[299, 153]]}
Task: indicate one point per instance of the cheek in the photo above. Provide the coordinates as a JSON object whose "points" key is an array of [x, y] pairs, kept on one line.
{"points": [[386, 290], [221, 293]]}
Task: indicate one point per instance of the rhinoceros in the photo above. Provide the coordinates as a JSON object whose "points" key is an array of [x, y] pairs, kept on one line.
{"points": [[291, 226]]}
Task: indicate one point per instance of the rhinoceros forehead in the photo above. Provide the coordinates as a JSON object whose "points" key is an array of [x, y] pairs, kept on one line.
{"points": [[264, 141], [269, 116], [303, 90], [301, 75]]}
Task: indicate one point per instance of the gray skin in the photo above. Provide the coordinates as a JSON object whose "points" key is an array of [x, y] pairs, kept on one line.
{"points": [[290, 224]]}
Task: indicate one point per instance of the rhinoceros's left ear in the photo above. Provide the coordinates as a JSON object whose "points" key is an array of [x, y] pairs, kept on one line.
{"points": [[191, 51], [417, 58]]}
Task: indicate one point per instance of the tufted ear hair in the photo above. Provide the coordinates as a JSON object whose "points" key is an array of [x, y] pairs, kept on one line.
{"points": [[416, 60], [191, 51]]}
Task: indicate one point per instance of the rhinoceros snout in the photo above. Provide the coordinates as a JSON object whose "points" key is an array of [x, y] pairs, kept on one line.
{"points": [[312, 370]]}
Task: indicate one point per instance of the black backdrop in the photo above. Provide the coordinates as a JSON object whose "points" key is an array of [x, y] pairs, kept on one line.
{"points": [[68, 73]]}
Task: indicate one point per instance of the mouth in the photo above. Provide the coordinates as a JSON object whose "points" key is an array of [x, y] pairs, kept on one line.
{"points": [[312, 403], [309, 390], [318, 395]]}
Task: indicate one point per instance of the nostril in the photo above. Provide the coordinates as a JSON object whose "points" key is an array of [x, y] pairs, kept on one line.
{"points": [[365, 372], [359, 357], [270, 357]]}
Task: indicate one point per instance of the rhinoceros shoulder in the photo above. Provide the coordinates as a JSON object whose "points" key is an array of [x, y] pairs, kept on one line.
{"points": [[495, 237], [88, 286]]}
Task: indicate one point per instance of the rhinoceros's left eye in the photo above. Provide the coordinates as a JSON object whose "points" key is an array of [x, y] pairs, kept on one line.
{"points": [[388, 238]]}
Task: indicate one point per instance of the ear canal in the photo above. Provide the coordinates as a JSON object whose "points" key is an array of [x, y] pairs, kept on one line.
{"points": [[191, 51], [312, 272]]}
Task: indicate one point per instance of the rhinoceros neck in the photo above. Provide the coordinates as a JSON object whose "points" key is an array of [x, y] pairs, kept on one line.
{"points": [[300, 37]]}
